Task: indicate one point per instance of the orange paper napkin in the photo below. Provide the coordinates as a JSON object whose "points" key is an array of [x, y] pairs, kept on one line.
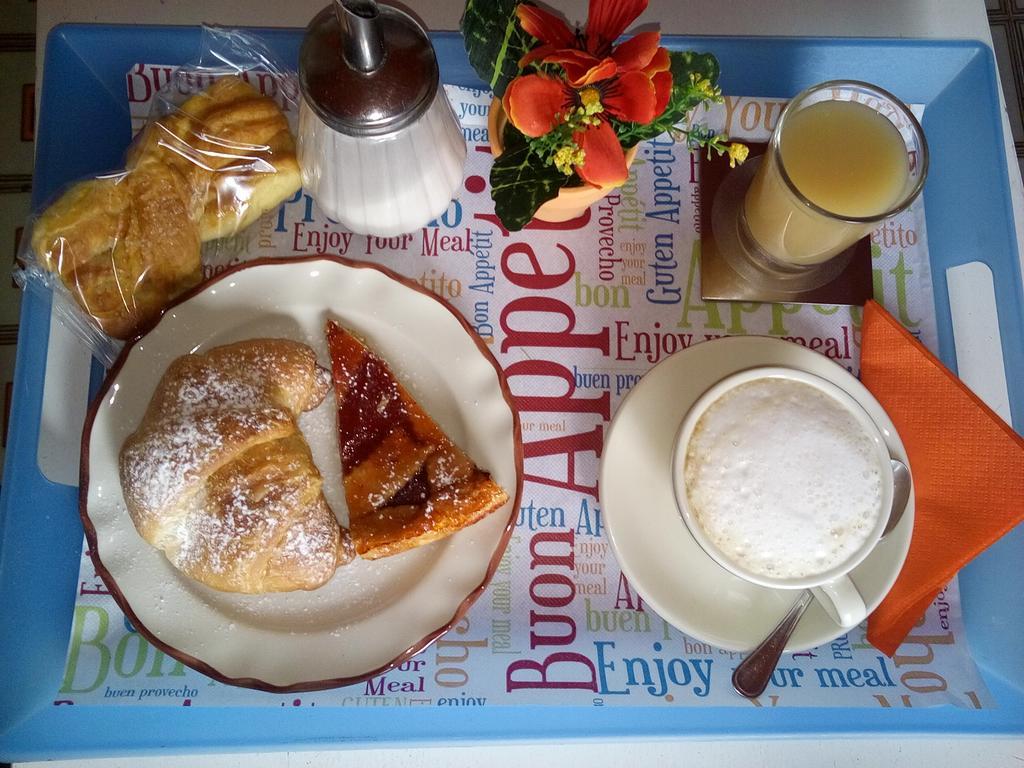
{"points": [[968, 469]]}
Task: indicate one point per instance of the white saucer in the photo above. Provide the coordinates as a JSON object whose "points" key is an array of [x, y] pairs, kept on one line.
{"points": [[654, 548]]}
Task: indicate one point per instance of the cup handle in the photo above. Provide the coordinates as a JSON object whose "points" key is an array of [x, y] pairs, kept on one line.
{"points": [[841, 601]]}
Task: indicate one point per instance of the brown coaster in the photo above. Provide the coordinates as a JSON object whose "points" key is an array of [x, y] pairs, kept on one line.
{"points": [[720, 281]]}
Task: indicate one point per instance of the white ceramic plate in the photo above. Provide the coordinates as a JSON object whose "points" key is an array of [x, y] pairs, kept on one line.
{"points": [[372, 614], [656, 551]]}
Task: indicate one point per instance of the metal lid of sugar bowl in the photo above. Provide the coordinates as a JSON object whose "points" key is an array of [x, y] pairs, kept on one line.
{"points": [[366, 68]]}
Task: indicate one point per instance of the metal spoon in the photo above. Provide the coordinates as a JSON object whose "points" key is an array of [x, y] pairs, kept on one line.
{"points": [[900, 494], [753, 673]]}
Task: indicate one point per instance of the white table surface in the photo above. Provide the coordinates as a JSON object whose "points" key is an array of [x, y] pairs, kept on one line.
{"points": [[854, 18]]}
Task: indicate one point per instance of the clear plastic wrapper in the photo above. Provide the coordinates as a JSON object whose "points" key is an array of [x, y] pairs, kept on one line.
{"points": [[217, 151]]}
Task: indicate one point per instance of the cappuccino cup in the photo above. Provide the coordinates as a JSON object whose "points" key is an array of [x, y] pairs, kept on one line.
{"points": [[785, 481]]}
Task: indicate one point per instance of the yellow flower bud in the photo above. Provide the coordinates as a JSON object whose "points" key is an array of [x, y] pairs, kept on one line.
{"points": [[737, 153], [703, 86], [565, 158]]}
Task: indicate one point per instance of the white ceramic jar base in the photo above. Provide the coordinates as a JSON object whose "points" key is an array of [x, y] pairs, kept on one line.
{"points": [[384, 185]]}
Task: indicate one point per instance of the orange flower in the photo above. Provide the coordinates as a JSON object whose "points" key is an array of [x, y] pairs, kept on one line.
{"points": [[630, 82]]}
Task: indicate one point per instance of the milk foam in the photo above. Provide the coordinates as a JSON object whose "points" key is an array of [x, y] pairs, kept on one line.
{"points": [[783, 479]]}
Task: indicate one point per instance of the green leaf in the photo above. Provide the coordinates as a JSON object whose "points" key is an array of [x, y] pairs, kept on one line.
{"points": [[521, 182], [686, 63], [494, 41], [684, 97]]}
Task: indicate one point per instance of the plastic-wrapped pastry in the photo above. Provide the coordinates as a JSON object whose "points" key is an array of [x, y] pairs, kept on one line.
{"points": [[235, 148], [127, 244], [123, 245]]}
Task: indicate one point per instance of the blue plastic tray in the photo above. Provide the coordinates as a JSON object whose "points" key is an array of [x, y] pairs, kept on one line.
{"points": [[84, 127]]}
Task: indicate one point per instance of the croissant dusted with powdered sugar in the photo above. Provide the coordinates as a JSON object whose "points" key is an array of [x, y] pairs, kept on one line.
{"points": [[220, 478]]}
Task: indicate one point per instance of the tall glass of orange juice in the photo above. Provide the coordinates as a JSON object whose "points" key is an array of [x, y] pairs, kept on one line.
{"points": [[844, 156]]}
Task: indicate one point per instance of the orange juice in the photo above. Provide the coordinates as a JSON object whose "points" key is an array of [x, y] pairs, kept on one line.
{"points": [[842, 156]]}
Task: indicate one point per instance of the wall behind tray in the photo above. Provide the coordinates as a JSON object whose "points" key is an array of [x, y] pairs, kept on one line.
{"points": [[17, 147], [1006, 19]]}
